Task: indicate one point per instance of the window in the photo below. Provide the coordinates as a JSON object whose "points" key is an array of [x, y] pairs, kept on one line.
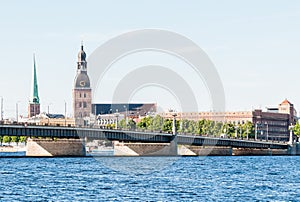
{"points": [[84, 95], [80, 104], [84, 105], [79, 94]]}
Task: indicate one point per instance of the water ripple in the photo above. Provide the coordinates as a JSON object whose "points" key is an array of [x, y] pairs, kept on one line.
{"points": [[188, 179]]}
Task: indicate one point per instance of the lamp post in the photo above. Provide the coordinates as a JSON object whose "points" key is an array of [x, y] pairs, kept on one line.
{"points": [[256, 131], [48, 108], [174, 123], [241, 132], [247, 132], [65, 113], [236, 132], [1, 108], [17, 111], [117, 118], [225, 130], [126, 120], [291, 127]]}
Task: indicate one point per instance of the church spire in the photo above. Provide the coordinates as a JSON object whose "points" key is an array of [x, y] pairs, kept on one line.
{"points": [[34, 93], [82, 64]]}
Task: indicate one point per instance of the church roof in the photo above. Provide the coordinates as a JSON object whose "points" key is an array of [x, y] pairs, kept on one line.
{"points": [[34, 97], [82, 80], [286, 102], [81, 55]]}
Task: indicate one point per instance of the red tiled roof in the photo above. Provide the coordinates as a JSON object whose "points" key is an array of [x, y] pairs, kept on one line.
{"points": [[286, 102]]}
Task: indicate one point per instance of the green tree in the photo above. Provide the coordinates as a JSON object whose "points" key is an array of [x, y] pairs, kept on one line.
{"points": [[122, 124], [191, 127], [248, 128], [23, 139], [167, 125], [199, 125], [296, 129], [7, 139], [157, 123], [131, 124], [228, 129], [15, 139], [183, 125], [111, 126], [145, 123], [217, 130]]}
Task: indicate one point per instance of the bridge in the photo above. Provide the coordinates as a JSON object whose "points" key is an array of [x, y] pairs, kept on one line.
{"points": [[134, 136]]}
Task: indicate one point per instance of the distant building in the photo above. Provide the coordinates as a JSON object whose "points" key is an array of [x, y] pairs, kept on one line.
{"points": [[34, 101], [272, 124], [109, 119], [113, 113], [82, 93], [131, 110], [45, 119]]}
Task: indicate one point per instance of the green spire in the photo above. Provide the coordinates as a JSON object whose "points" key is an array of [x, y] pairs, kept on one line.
{"points": [[35, 94]]}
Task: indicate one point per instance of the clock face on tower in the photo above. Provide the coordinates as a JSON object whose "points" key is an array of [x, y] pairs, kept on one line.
{"points": [[82, 83]]}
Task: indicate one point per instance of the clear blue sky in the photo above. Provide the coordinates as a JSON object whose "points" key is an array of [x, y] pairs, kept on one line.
{"points": [[253, 44]]}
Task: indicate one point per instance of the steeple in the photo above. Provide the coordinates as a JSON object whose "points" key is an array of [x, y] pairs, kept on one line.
{"points": [[81, 64], [34, 102], [82, 92], [34, 91]]}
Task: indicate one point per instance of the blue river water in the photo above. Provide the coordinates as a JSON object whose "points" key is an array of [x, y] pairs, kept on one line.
{"points": [[151, 179]]}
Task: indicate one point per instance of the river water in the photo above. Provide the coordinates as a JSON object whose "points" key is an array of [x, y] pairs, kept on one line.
{"points": [[151, 179]]}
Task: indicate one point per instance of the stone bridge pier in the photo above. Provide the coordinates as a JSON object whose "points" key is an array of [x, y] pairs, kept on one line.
{"points": [[294, 149], [146, 149], [50, 148]]}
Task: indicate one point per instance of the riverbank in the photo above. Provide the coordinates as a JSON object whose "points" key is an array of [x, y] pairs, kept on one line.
{"points": [[8, 148]]}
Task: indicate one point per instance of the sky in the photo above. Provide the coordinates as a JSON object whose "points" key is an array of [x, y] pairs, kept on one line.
{"points": [[254, 46]]}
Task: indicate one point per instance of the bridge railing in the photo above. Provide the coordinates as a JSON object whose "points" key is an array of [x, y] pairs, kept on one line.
{"points": [[143, 131]]}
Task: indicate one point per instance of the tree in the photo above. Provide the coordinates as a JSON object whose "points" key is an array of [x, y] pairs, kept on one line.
{"points": [[296, 129], [15, 139], [145, 123], [157, 123], [191, 127], [217, 130], [248, 128], [229, 129], [23, 139], [167, 126], [7, 139], [131, 124], [199, 127], [111, 126], [122, 123]]}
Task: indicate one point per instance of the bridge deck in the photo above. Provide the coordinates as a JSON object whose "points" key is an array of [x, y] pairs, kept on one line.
{"points": [[132, 136]]}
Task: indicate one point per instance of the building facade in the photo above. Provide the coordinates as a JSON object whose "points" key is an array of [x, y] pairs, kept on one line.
{"points": [[82, 93], [131, 110], [272, 124]]}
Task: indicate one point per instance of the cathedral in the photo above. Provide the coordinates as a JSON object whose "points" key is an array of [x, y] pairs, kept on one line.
{"points": [[82, 92]]}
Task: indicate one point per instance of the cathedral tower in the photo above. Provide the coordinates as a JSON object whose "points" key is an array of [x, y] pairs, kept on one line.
{"points": [[34, 101], [82, 93]]}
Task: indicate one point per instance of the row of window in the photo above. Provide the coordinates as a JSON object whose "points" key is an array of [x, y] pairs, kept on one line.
{"points": [[84, 95], [274, 123], [82, 114], [106, 121], [283, 130], [81, 105]]}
